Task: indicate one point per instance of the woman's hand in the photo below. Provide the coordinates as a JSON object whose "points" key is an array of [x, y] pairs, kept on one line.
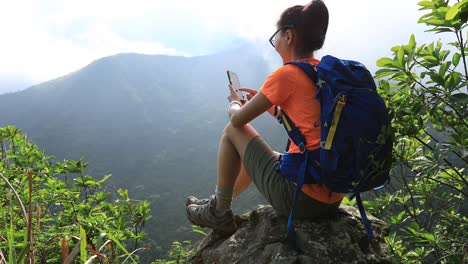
{"points": [[233, 96], [250, 92]]}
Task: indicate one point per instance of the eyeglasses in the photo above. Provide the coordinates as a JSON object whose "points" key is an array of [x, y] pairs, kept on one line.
{"points": [[273, 37]]}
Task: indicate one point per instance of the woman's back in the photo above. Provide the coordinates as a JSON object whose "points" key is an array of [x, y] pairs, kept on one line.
{"points": [[291, 89]]}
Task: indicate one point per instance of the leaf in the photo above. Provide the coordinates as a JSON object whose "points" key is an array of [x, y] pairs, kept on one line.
{"points": [[395, 48], [397, 218], [456, 59], [443, 68], [440, 30], [437, 78], [427, 4], [461, 98], [117, 242], [198, 230], [383, 88], [431, 59], [105, 178], [412, 42], [83, 254], [430, 47], [401, 54], [454, 11], [384, 72], [437, 22], [384, 62]]}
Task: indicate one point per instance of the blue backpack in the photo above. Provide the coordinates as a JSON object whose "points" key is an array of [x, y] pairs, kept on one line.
{"points": [[355, 153]]}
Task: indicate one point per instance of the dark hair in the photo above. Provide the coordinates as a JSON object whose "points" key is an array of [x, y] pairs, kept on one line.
{"points": [[310, 22]]}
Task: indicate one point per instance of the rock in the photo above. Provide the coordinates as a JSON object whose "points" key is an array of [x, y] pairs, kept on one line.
{"points": [[259, 239]]}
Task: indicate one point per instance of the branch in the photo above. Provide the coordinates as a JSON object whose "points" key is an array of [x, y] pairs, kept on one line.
{"points": [[443, 183], [448, 255], [437, 141], [412, 199], [448, 185], [460, 116], [446, 161], [23, 210], [462, 50], [30, 253]]}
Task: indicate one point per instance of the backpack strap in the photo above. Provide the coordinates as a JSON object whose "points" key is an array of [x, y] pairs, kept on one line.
{"points": [[308, 68], [291, 237], [364, 218], [293, 132], [296, 136]]}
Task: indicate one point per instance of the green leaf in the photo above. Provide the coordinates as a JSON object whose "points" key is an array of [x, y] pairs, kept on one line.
{"points": [[454, 11], [401, 54], [412, 42], [384, 72], [443, 68], [116, 241], [437, 78], [83, 254], [397, 218], [437, 22], [431, 59], [428, 4], [383, 62], [105, 178], [395, 48], [461, 98], [456, 59]]}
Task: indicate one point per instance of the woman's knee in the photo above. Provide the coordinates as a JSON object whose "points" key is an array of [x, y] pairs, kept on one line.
{"points": [[239, 136], [246, 131]]}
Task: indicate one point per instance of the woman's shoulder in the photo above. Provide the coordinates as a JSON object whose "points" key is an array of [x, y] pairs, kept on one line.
{"points": [[286, 71]]}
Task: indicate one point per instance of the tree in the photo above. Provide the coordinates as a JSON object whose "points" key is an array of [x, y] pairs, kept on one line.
{"points": [[425, 87], [52, 211]]}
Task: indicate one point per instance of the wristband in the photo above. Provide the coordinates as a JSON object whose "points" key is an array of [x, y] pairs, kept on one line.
{"points": [[235, 102]]}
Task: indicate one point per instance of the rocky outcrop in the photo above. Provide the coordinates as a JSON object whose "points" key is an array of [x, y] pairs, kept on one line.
{"points": [[259, 239]]}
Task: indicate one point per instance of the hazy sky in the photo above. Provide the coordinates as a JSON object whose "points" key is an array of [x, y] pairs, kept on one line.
{"points": [[44, 39]]}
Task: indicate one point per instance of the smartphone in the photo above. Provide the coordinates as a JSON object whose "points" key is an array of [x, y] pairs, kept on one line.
{"points": [[234, 81]]}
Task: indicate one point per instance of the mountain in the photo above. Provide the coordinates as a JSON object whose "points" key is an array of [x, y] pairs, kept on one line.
{"points": [[152, 121]]}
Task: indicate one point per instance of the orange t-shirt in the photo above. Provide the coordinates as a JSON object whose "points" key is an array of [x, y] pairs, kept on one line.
{"points": [[291, 89]]}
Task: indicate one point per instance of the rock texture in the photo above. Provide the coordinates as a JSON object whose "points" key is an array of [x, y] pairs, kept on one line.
{"points": [[259, 239]]}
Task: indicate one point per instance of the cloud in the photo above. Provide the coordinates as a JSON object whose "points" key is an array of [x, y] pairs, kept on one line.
{"points": [[36, 43], [43, 39]]}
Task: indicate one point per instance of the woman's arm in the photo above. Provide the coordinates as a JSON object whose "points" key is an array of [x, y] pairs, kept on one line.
{"points": [[256, 106]]}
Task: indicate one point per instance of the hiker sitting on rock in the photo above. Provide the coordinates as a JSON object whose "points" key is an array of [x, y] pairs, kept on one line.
{"points": [[245, 157]]}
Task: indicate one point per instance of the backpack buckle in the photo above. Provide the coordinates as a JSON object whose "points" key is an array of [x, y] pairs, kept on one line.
{"points": [[322, 84], [322, 144], [302, 148]]}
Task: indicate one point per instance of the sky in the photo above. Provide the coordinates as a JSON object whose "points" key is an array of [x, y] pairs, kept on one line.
{"points": [[45, 39]]}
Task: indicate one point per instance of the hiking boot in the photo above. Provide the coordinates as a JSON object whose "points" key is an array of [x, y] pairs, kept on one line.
{"points": [[194, 200], [205, 215]]}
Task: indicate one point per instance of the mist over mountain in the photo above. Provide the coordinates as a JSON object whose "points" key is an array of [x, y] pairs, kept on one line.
{"points": [[13, 83], [153, 121]]}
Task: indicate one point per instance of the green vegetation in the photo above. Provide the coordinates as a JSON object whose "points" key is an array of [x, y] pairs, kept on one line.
{"points": [[425, 87], [53, 212]]}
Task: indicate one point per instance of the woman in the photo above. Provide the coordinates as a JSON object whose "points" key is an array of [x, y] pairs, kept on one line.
{"points": [[244, 156]]}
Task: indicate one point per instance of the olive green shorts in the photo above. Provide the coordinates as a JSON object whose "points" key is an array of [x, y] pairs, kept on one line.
{"points": [[261, 163]]}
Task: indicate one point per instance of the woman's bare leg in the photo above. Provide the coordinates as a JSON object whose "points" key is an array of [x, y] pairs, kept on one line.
{"points": [[230, 155], [242, 182]]}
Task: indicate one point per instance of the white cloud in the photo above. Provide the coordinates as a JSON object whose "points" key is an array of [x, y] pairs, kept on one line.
{"points": [[43, 39], [34, 45]]}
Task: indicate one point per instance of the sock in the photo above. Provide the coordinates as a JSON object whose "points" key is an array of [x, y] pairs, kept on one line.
{"points": [[223, 199]]}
